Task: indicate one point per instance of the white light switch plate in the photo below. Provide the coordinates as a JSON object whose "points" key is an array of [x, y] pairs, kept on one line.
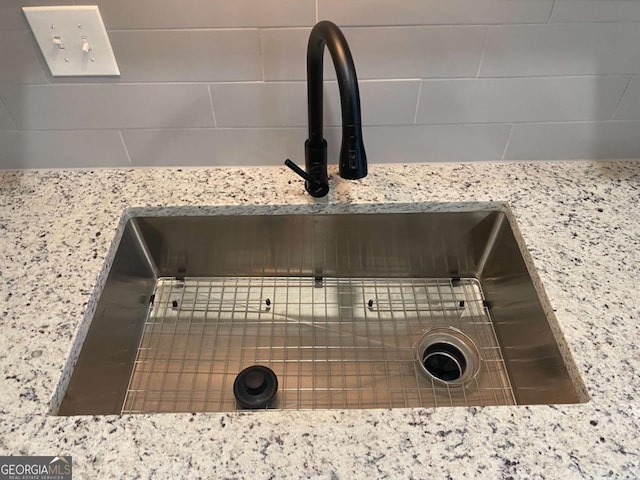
{"points": [[73, 40]]}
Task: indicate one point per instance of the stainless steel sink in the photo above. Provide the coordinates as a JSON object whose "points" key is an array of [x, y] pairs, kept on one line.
{"points": [[367, 310]]}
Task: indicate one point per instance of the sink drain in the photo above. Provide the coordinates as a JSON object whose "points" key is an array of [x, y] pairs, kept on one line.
{"points": [[447, 355], [444, 361]]}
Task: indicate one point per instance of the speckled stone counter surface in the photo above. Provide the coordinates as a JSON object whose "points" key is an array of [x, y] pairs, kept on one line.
{"points": [[580, 220]]}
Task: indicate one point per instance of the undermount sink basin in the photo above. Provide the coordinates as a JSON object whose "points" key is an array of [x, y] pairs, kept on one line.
{"points": [[364, 310]]}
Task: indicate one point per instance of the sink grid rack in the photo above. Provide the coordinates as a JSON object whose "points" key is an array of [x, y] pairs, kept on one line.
{"points": [[334, 343]]}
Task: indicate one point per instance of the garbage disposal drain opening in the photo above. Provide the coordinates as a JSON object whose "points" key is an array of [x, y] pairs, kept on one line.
{"points": [[444, 361], [447, 355]]}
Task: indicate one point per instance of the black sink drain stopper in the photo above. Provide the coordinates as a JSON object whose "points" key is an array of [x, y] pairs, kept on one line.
{"points": [[255, 387]]}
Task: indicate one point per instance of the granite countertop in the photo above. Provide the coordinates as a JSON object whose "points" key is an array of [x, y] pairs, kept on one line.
{"points": [[580, 220]]}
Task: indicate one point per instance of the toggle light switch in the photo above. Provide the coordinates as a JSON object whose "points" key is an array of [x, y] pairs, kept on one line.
{"points": [[86, 48], [73, 40], [58, 42]]}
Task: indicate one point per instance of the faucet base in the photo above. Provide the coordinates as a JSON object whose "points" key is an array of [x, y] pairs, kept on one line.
{"points": [[316, 165]]}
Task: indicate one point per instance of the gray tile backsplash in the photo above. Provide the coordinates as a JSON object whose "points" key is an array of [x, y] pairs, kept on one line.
{"points": [[11, 17], [211, 147], [260, 104], [191, 14], [562, 49], [284, 53], [542, 99], [630, 105], [389, 52], [56, 107], [426, 12], [596, 11], [574, 141], [435, 143], [18, 58], [284, 104], [5, 120], [187, 55], [62, 148], [271, 146], [218, 82]]}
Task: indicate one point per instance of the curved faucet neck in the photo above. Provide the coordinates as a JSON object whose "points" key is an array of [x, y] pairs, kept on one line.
{"points": [[328, 34]]}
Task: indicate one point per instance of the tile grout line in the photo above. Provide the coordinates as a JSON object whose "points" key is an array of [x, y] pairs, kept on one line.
{"points": [[248, 28], [385, 26], [4, 106], [415, 115], [504, 152], [337, 127], [213, 112], [553, 7], [124, 145], [484, 48], [615, 112], [317, 11], [261, 55], [148, 83]]}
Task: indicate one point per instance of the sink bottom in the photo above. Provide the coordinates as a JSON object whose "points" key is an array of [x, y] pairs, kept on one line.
{"points": [[343, 343]]}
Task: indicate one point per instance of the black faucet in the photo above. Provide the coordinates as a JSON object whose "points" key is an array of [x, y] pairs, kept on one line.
{"points": [[353, 160]]}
